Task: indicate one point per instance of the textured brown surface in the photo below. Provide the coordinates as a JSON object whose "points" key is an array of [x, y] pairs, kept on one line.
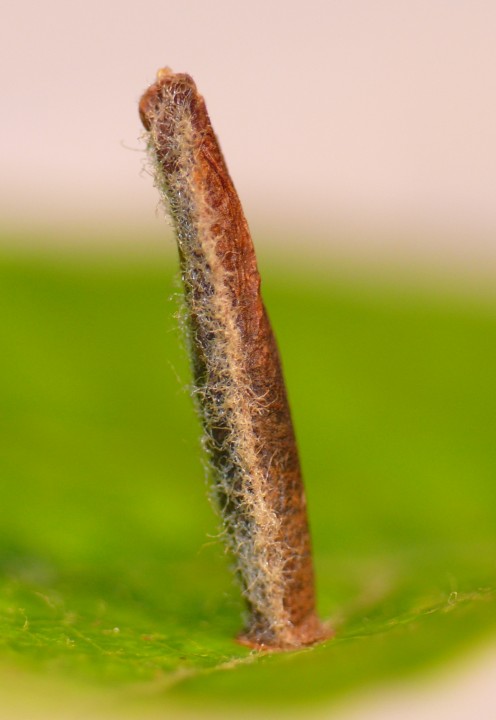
{"points": [[238, 378]]}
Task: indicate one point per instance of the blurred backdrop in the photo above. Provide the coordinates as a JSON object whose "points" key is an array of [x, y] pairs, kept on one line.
{"points": [[358, 134], [367, 125]]}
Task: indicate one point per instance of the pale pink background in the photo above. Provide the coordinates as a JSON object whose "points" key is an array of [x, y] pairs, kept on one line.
{"points": [[366, 119]]}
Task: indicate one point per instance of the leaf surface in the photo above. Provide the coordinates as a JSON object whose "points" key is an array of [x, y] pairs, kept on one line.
{"points": [[112, 572]]}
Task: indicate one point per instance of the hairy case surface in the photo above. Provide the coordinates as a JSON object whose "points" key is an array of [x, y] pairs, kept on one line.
{"points": [[238, 381]]}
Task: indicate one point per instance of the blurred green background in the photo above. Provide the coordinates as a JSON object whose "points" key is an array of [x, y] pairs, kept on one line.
{"points": [[112, 576]]}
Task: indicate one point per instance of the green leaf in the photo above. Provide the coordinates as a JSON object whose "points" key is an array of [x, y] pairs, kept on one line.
{"points": [[112, 574]]}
